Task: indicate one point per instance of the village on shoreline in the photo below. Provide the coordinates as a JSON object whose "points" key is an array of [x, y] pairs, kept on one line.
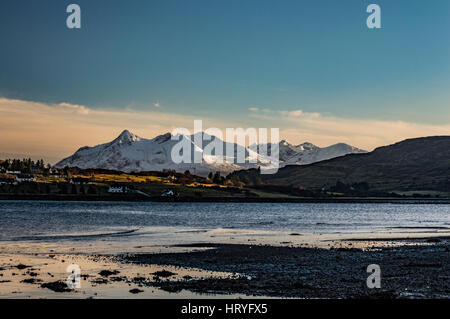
{"points": [[33, 180]]}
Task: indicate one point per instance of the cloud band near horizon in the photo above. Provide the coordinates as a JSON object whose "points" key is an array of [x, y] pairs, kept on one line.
{"points": [[55, 131]]}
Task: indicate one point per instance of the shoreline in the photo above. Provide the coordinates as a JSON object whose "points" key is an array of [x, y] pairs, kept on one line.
{"points": [[294, 258], [419, 270], [140, 198], [410, 268]]}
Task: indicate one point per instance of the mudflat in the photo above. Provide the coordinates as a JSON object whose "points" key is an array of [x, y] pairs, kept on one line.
{"points": [[418, 268]]}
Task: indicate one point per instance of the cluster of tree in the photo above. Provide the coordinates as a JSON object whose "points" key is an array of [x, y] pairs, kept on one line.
{"points": [[26, 166], [360, 189], [65, 188], [354, 188], [216, 178], [53, 188], [186, 178], [287, 190], [233, 180]]}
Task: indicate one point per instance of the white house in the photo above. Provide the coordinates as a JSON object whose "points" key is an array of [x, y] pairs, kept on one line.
{"points": [[117, 189], [24, 178], [13, 172], [79, 181]]}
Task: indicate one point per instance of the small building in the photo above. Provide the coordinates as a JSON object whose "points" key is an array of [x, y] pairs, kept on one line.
{"points": [[79, 181], [13, 172], [118, 189], [22, 178], [57, 173]]}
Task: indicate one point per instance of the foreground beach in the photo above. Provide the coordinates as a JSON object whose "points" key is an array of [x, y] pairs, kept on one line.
{"points": [[412, 271], [410, 268]]}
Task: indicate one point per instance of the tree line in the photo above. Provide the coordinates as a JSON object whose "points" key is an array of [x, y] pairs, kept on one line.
{"points": [[26, 165]]}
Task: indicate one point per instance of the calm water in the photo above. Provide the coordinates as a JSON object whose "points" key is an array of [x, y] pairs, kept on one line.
{"points": [[34, 220]]}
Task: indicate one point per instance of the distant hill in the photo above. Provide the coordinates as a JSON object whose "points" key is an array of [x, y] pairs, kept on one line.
{"points": [[307, 153], [410, 165]]}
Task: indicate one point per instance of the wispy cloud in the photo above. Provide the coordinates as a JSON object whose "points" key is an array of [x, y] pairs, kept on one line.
{"points": [[73, 108], [298, 126], [284, 113], [57, 130]]}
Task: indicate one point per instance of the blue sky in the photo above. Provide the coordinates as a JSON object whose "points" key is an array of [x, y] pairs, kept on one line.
{"points": [[219, 58]]}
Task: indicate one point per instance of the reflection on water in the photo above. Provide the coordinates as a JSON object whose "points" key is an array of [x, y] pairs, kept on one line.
{"points": [[56, 221]]}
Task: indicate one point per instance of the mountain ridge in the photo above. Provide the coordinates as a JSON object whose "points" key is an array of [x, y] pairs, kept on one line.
{"points": [[409, 165], [131, 153]]}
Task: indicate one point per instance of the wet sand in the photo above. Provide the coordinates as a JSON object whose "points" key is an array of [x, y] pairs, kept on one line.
{"points": [[45, 276], [414, 264]]}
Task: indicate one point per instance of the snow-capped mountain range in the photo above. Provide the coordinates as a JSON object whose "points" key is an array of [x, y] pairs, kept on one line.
{"points": [[308, 153], [131, 153]]}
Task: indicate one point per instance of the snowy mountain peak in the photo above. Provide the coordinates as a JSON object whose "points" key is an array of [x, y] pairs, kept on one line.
{"points": [[129, 152], [285, 144], [163, 138], [127, 137], [342, 147], [307, 146]]}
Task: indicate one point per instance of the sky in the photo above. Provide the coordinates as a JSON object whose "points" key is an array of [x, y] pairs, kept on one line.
{"points": [[310, 67]]}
